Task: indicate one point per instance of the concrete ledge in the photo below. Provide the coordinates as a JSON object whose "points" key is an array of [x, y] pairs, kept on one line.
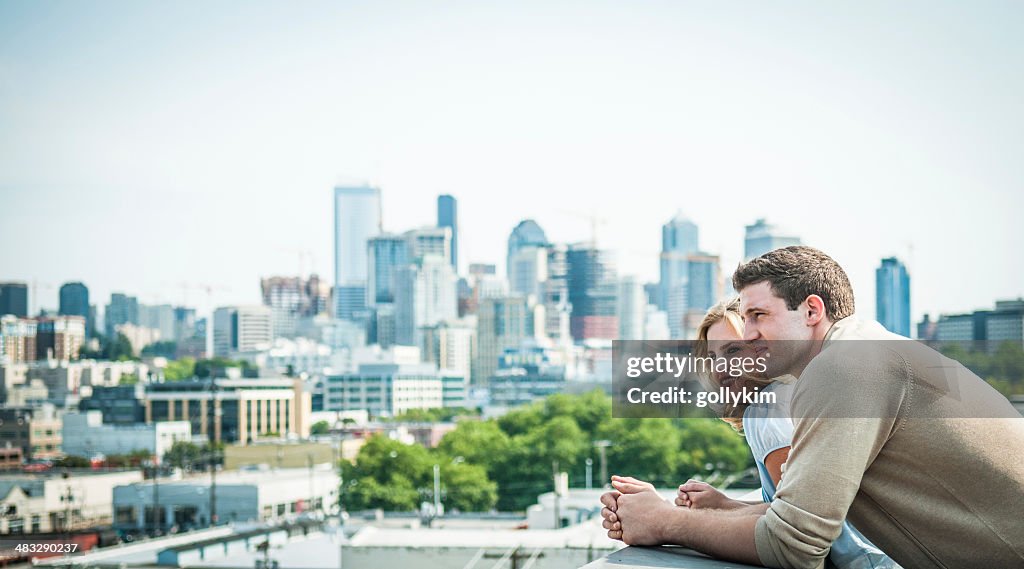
{"points": [[667, 557]]}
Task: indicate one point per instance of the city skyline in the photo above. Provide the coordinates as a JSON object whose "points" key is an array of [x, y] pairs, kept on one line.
{"points": [[214, 164]]}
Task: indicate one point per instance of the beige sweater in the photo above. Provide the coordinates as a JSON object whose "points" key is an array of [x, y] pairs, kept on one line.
{"points": [[923, 457]]}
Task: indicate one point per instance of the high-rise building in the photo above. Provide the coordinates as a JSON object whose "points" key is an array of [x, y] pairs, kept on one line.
{"points": [[429, 241], [122, 309], [291, 299], [503, 322], [451, 345], [528, 271], [386, 253], [424, 295], [448, 216], [74, 301], [892, 296], [557, 310], [762, 237], [357, 218], [592, 293], [241, 329], [14, 299], [704, 282], [159, 317], [679, 240], [631, 308], [59, 337], [526, 234], [17, 339]]}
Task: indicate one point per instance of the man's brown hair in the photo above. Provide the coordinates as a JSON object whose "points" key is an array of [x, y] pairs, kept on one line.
{"points": [[798, 272]]}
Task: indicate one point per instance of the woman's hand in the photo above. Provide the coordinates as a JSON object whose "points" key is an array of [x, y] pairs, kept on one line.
{"points": [[701, 495]]}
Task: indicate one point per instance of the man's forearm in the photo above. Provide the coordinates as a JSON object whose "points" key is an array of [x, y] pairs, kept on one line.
{"points": [[725, 534]]}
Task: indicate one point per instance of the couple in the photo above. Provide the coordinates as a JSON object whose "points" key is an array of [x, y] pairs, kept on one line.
{"points": [[932, 475]]}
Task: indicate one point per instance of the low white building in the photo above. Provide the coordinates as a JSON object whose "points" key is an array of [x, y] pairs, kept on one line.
{"points": [[86, 435], [242, 496], [49, 502], [391, 389]]}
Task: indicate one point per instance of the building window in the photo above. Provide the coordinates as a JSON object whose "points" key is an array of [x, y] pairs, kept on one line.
{"points": [[35, 524], [124, 515]]}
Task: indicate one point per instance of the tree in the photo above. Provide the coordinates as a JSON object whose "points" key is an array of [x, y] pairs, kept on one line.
{"points": [[166, 349], [119, 348], [466, 487], [320, 428], [177, 370], [184, 455], [128, 379]]}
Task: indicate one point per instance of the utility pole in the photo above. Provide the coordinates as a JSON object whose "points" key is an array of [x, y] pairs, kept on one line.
{"points": [[554, 477], [590, 474], [601, 446], [437, 490], [157, 519], [210, 430]]}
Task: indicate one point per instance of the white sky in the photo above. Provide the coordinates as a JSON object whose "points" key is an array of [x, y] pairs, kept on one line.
{"points": [[145, 145]]}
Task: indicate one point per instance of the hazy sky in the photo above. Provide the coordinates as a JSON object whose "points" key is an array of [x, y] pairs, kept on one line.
{"points": [[146, 145]]}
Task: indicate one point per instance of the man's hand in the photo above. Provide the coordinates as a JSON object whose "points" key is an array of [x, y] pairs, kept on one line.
{"points": [[701, 495], [642, 517], [611, 520]]}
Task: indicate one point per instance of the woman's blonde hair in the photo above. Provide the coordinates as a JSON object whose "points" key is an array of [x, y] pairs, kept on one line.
{"points": [[728, 311]]}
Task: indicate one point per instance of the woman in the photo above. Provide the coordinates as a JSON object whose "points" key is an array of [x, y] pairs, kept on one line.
{"points": [[769, 433]]}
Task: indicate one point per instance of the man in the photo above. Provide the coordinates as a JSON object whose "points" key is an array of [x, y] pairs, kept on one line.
{"points": [[924, 458]]}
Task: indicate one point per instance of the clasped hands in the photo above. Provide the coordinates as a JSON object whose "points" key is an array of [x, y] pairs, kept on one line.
{"points": [[637, 515]]}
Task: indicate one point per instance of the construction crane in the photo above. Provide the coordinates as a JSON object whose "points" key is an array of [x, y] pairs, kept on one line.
{"points": [[593, 218]]}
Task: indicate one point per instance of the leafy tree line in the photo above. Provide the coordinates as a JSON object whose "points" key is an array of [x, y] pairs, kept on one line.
{"points": [[1003, 367], [506, 462]]}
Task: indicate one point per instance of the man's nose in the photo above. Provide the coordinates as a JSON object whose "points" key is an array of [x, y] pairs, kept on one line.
{"points": [[751, 333]]}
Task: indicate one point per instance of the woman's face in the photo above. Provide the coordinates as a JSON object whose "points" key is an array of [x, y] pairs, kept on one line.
{"points": [[725, 342]]}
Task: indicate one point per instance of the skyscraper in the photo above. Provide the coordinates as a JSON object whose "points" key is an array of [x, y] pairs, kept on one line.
{"points": [[448, 216], [631, 308], [14, 299], [679, 239], [592, 293], [123, 309], [357, 218], [526, 234], [424, 295], [503, 322], [762, 237], [386, 253], [74, 301], [291, 299], [892, 296]]}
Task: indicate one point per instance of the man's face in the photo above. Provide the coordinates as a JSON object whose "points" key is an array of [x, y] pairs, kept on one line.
{"points": [[766, 319]]}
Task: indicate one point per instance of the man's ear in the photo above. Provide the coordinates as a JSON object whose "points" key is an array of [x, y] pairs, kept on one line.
{"points": [[814, 310]]}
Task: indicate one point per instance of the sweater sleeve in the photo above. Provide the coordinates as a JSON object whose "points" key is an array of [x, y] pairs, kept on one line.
{"points": [[844, 410]]}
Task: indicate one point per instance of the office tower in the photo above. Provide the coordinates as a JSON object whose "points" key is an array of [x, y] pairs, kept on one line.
{"points": [[679, 239], [386, 253], [592, 291], [59, 337], [892, 296], [762, 237], [429, 241], [704, 282], [74, 301], [122, 309], [159, 317], [557, 310], [656, 324], [424, 295], [528, 271], [1003, 324], [241, 329], [357, 218], [448, 216], [631, 308], [526, 234], [14, 299], [503, 322], [184, 323]]}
